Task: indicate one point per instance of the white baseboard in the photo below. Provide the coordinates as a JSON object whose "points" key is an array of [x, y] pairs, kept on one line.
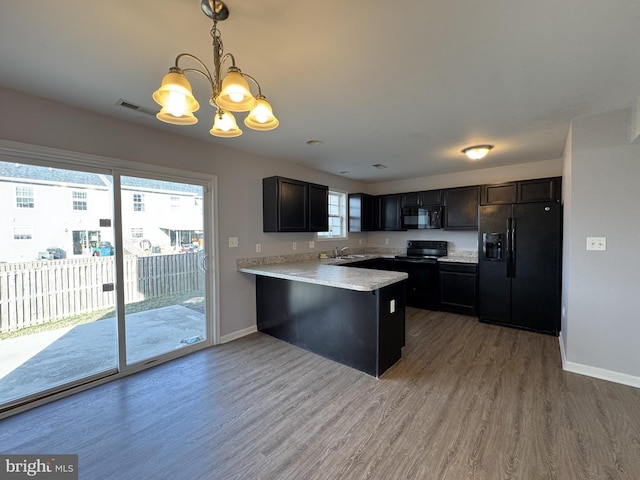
{"points": [[238, 334], [596, 372]]}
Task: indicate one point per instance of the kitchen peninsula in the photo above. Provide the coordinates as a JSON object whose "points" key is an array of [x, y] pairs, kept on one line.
{"points": [[350, 315]]}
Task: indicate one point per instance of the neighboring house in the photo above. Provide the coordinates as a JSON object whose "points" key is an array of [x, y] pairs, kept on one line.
{"points": [[55, 213]]}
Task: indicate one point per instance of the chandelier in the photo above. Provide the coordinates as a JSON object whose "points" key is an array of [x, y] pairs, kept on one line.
{"points": [[228, 94]]}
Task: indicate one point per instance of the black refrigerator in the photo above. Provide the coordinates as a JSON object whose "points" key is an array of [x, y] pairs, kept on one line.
{"points": [[519, 265]]}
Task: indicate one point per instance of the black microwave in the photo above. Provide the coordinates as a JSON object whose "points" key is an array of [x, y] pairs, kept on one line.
{"points": [[422, 217]]}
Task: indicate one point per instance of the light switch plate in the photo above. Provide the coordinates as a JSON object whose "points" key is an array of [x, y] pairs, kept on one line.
{"points": [[258, 247], [312, 244], [597, 243], [233, 242]]}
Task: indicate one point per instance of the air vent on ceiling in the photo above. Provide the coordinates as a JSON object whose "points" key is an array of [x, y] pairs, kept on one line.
{"points": [[137, 108]]}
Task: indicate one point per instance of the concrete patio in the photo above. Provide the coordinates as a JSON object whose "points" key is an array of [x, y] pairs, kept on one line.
{"points": [[44, 360]]}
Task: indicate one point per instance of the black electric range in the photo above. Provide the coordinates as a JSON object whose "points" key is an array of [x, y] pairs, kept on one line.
{"points": [[424, 251], [421, 263]]}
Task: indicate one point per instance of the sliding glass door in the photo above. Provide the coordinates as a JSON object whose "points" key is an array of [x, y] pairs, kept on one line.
{"points": [[57, 302], [102, 272], [164, 266]]}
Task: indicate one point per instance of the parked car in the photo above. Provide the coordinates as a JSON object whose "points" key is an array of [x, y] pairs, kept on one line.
{"points": [[52, 253], [104, 249], [191, 248]]}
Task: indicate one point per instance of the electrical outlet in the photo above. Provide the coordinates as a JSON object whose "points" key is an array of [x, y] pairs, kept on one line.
{"points": [[312, 244], [233, 242], [597, 243], [386, 241], [360, 242], [295, 245], [258, 248]]}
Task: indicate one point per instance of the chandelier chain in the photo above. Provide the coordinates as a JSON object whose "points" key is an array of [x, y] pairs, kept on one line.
{"points": [[218, 52]]}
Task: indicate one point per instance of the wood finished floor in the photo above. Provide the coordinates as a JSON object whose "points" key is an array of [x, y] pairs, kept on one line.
{"points": [[467, 401]]}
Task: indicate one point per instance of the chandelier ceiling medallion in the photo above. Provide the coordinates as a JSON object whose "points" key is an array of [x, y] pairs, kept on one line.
{"points": [[228, 94]]}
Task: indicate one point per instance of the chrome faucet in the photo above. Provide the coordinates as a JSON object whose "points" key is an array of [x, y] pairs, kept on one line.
{"points": [[338, 252]]}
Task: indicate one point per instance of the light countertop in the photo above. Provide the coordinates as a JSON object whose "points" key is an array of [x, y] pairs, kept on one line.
{"points": [[328, 272]]}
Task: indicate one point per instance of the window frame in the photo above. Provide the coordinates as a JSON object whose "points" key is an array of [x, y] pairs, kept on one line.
{"points": [[138, 202], [344, 234], [20, 234], [79, 199], [25, 197]]}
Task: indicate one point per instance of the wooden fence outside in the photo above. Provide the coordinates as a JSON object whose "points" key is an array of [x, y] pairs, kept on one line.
{"points": [[33, 293]]}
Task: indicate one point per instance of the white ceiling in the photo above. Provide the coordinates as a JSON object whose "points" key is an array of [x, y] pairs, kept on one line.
{"points": [[407, 84]]}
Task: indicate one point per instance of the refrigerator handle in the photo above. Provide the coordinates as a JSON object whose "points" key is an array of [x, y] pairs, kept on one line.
{"points": [[511, 247]]}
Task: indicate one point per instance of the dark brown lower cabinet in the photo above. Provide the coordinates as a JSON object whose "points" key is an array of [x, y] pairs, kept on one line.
{"points": [[356, 328], [459, 287]]}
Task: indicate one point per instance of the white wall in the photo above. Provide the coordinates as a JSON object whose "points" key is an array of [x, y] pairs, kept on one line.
{"points": [[601, 330]]}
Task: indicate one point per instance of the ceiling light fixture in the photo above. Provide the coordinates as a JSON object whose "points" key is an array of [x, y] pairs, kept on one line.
{"points": [[477, 152], [231, 94]]}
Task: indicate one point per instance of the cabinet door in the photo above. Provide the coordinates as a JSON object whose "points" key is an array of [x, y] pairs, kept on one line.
{"points": [[411, 199], [318, 208], [539, 190], [459, 288], [431, 197], [390, 212], [363, 212], [417, 199], [293, 201], [499, 194], [461, 208]]}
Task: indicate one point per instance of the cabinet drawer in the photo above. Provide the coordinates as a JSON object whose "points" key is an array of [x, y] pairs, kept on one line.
{"points": [[458, 267]]}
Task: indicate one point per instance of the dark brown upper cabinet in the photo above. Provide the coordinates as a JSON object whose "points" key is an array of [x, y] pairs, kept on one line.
{"points": [[318, 208], [290, 205], [461, 208], [419, 199], [526, 191], [540, 190], [390, 212], [499, 194], [363, 213]]}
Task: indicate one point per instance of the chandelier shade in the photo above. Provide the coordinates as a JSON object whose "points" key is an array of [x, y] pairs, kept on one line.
{"points": [[171, 116], [229, 94], [261, 117], [175, 97], [235, 95], [225, 126]]}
